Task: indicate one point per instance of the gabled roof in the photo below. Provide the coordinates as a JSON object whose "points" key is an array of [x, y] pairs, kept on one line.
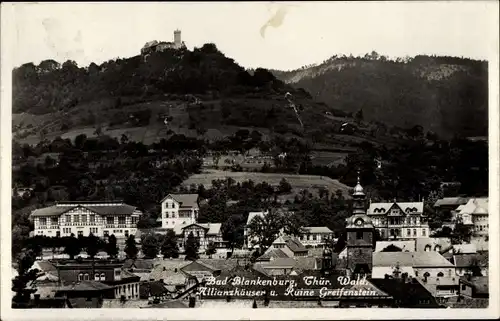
{"points": [[383, 208], [405, 246], [294, 244], [317, 229], [184, 200], [413, 259], [272, 253], [59, 209], [211, 228]]}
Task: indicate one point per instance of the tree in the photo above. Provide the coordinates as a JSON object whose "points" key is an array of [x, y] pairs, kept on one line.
{"points": [[92, 246], [150, 246], [131, 248], [391, 248], [73, 246], [284, 186], [191, 248], [265, 229], [211, 249], [111, 246], [359, 116], [25, 276], [169, 248], [461, 233]]}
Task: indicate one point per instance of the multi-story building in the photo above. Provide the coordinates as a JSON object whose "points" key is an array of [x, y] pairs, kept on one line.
{"points": [[316, 235], [179, 209], [125, 284], [475, 214], [204, 234], [399, 220], [82, 218]]}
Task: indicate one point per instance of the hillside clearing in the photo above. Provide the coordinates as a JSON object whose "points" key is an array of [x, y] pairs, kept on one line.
{"points": [[298, 182]]}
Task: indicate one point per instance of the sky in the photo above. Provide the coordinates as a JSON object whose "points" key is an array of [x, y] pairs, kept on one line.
{"points": [[274, 35]]}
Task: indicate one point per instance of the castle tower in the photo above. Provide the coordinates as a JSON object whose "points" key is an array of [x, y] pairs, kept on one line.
{"points": [[177, 38], [359, 236]]}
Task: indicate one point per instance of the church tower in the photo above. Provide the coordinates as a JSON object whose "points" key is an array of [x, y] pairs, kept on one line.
{"points": [[359, 236], [177, 39]]}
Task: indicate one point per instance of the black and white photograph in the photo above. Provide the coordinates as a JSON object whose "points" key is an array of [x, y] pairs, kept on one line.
{"points": [[250, 155]]}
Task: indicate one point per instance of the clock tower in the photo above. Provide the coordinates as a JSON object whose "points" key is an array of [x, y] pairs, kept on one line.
{"points": [[359, 236]]}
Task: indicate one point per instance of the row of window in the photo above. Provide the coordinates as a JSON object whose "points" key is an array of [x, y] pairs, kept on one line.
{"points": [[481, 227], [439, 274], [169, 205]]}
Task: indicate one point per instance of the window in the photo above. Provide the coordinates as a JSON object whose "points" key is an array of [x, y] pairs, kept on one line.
{"points": [[440, 274], [423, 232], [80, 277], [359, 235], [58, 234], [96, 277], [54, 221], [464, 287], [117, 273], [68, 218], [110, 220], [427, 274], [76, 218], [43, 221], [86, 277], [166, 215], [106, 233], [80, 233], [121, 220], [92, 219], [103, 277], [408, 232], [416, 273], [314, 237], [427, 248], [414, 232], [126, 232], [84, 219]]}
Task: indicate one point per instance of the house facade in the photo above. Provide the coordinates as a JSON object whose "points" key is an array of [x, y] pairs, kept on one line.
{"points": [[399, 220], [204, 234], [179, 209], [82, 218], [316, 235], [124, 284], [475, 214]]}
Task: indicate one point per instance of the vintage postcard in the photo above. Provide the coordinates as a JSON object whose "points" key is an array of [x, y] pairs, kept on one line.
{"points": [[268, 160]]}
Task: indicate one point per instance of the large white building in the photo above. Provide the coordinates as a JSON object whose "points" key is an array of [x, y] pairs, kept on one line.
{"points": [[82, 218], [179, 209], [399, 220], [475, 214]]}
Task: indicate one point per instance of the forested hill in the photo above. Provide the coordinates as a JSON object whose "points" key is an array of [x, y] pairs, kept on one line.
{"points": [[446, 95], [65, 96], [51, 87]]}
